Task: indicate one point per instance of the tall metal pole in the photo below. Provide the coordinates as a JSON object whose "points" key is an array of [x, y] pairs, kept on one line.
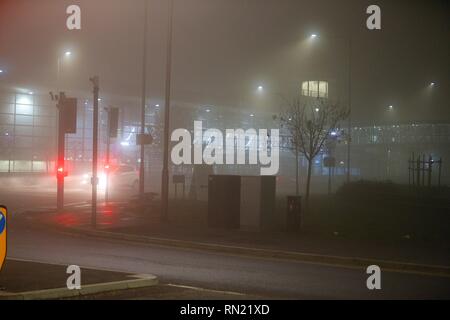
{"points": [[165, 171], [61, 143], [349, 142], [61, 154], [95, 82], [108, 144], [144, 85]]}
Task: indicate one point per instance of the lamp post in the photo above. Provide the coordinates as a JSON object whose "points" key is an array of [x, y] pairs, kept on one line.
{"points": [[61, 142], [165, 170], [144, 85], [94, 180], [349, 85]]}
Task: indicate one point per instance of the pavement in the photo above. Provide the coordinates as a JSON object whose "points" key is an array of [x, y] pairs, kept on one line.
{"points": [[24, 280]]}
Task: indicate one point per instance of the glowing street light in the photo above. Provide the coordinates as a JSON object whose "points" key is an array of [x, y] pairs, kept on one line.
{"points": [[432, 84], [348, 40], [59, 64], [391, 107], [260, 88]]}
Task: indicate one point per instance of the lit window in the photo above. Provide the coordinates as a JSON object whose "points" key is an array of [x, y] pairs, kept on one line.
{"points": [[316, 89]]}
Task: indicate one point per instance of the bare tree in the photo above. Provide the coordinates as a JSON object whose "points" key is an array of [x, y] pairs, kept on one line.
{"points": [[309, 122]]}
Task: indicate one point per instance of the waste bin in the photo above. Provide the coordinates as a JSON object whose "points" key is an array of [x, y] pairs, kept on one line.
{"points": [[293, 215]]}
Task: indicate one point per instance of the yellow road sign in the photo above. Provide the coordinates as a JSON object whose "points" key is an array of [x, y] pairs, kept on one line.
{"points": [[3, 212]]}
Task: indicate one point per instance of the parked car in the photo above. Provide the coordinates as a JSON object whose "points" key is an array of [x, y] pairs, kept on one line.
{"points": [[122, 176]]}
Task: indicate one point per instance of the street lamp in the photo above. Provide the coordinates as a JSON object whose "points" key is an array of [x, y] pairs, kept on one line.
{"points": [[59, 67], [168, 89], [349, 85], [143, 100], [391, 107]]}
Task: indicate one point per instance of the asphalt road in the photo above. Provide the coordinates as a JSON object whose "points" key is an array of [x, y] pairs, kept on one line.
{"points": [[222, 273]]}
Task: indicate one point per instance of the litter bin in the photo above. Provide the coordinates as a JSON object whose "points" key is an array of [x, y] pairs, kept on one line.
{"points": [[293, 216]]}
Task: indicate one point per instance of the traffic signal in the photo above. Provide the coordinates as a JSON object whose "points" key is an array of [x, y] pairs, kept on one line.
{"points": [[61, 172], [68, 115], [113, 118]]}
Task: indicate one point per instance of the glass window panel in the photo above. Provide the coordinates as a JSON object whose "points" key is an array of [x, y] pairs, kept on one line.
{"points": [[24, 99], [6, 131], [21, 153], [44, 100], [6, 143], [305, 88], [44, 131], [44, 111], [323, 89], [22, 166], [24, 131], [42, 143], [4, 165], [24, 109], [23, 142], [24, 120], [39, 166], [7, 108], [7, 97], [313, 88], [6, 119], [43, 121]]}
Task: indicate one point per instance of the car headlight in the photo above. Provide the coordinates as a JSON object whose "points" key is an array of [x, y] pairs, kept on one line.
{"points": [[102, 181]]}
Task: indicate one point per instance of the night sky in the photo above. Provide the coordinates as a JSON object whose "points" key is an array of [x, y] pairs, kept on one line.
{"points": [[224, 49]]}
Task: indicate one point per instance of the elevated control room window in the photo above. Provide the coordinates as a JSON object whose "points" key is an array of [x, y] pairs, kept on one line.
{"points": [[316, 89]]}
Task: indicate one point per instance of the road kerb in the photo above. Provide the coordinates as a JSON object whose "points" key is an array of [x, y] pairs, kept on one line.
{"points": [[64, 293], [353, 262]]}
